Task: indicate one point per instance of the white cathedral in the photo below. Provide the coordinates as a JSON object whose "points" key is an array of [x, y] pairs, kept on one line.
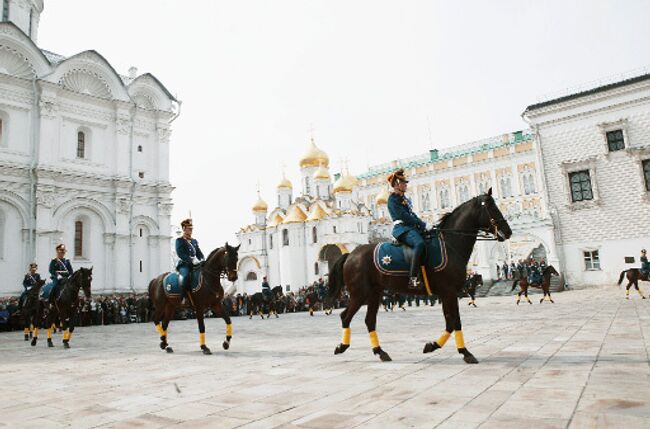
{"points": [[84, 161], [294, 243]]}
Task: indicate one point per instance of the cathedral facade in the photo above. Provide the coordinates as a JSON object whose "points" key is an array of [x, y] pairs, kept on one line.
{"points": [[84, 161]]}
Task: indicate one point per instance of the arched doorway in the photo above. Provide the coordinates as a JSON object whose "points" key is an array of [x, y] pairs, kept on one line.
{"points": [[329, 254]]}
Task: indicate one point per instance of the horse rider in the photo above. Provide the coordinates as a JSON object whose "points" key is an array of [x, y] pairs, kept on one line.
{"points": [[30, 280], [60, 268], [189, 253], [321, 290], [266, 288], [542, 265], [521, 268], [535, 276], [645, 266], [407, 226]]}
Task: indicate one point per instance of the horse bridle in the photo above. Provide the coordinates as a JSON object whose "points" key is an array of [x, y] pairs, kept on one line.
{"points": [[494, 223]]}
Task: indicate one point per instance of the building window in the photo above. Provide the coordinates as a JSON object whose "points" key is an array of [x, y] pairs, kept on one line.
{"points": [[140, 265], [463, 193], [31, 15], [444, 199], [334, 229], [271, 241], [250, 241], [580, 186], [140, 232], [78, 238], [2, 123], [529, 183], [139, 148], [316, 268], [141, 175], [5, 10], [646, 174], [615, 140], [288, 288], [314, 235], [251, 276], [81, 145], [592, 260], [506, 187], [285, 237]]}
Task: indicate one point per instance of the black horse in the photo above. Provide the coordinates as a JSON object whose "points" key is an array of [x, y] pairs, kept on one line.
{"points": [[32, 312], [313, 299], [260, 303], [470, 286], [64, 302], [365, 284], [633, 276]]}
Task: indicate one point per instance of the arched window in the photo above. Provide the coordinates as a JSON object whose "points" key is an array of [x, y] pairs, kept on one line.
{"points": [[78, 239], [81, 144], [444, 198], [270, 241], [315, 268], [285, 237], [314, 235], [251, 276]]}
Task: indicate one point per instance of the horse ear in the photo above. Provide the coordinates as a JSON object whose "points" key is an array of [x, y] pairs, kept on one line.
{"points": [[91, 269], [489, 192], [226, 246], [237, 248]]}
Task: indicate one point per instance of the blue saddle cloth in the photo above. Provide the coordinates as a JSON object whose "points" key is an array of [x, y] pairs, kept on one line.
{"points": [[395, 260], [46, 291], [172, 286]]}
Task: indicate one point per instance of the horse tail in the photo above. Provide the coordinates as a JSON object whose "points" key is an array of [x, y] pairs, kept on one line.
{"points": [[336, 276], [514, 285], [620, 279]]}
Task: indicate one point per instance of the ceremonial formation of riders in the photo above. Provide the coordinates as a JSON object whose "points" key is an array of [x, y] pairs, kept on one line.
{"points": [[197, 280]]}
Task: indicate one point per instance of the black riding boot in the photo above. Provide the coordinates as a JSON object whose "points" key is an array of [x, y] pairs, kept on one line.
{"points": [[414, 273]]}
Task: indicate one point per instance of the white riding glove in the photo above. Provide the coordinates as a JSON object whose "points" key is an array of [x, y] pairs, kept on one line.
{"points": [[428, 226], [195, 261], [59, 276]]}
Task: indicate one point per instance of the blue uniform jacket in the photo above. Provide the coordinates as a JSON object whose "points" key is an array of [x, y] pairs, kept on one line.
{"points": [[400, 208], [30, 280], [187, 251], [645, 266], [57, 264]]}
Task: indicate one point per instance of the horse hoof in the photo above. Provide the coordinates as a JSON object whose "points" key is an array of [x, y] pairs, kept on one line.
{"points": [[34, 341], [517, 302], [552, 302], [66, 345], [206, 350], [341, 348], [163, 345], [169, 350], [541, 300], [26, 337], [469, 358], [382, 354], [226, 345], [429, 347], [50, 343]]}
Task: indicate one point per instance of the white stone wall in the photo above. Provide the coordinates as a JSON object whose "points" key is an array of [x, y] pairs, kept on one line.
{"points": [[615, 222]]}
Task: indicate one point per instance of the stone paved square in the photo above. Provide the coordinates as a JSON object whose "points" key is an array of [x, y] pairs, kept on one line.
{"points": [[580, 363]]}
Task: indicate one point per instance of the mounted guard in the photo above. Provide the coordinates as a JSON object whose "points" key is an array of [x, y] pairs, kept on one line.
{"points": [[408, 228], [32, 278], [60, 268], [190, 255], [645, 265]]}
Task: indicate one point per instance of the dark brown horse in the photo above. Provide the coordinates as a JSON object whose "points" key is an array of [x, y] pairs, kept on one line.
{"points": [[633, 276], [32, 312], [64, 302], [365, 284], [208, 296], [547, 272]]}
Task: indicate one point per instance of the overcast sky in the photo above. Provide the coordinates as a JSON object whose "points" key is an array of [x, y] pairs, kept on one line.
{"points": [[371, 76]]}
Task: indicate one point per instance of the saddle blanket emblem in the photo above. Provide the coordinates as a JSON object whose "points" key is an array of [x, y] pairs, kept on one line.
{"points": [[172, 286], [45, 292], [395, 260]]}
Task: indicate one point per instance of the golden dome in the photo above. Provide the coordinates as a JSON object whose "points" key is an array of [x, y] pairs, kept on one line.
{"points": [[345, 184], [382, 197], [314, 157], [317, 213], [260, 205], [276, 220], [284, 183], [321, 173], [294, 215]]}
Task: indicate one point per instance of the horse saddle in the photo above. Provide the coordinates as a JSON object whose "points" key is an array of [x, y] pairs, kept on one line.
{"points": [[395, 259], [46, 291], [172, 284]]}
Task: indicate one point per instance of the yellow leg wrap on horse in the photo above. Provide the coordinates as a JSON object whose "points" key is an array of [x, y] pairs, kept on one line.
{"points": [[460, 341], [69, 335], [202, 338], [346, 336], [36, 332], [374, 340], [26, 331], [443, 338], [160, 329], [65, 335], [640, 293], [49, 333], [229, 330]]}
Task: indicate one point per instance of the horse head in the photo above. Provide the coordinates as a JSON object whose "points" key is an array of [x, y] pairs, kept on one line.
{"points": [[230, 261], [490, 219], [85, 279], [550, 269]]}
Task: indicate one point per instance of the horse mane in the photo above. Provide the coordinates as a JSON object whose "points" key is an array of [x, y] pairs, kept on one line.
{"points": [[445, 218], [213, 253]]}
